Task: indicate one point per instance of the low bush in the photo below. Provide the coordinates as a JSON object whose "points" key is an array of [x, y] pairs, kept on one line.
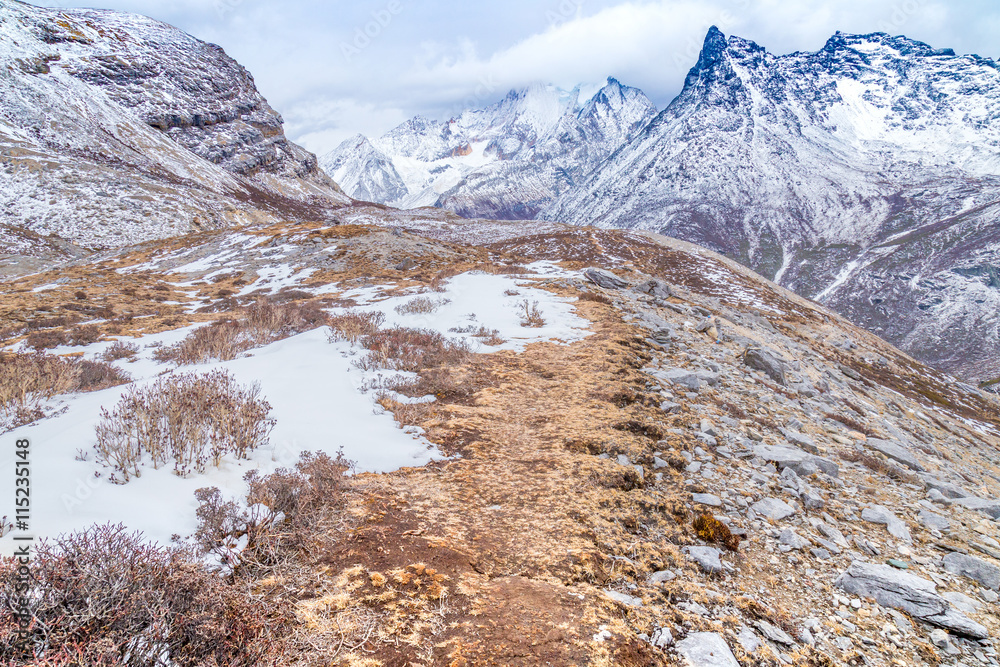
{"points": [[254, 326], [405, 349], [188, 419], [105, 596], [530, 315], [46, 339], [420, 305], [119, 350], [353, 325], [28, 380], [282, 510], [880, 466], [488, 336]]}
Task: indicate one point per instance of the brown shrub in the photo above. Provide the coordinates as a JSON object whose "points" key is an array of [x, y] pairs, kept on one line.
{"points": [[189, 419], [404, 349], [28, 380], [597, 298], [710, 529], [85, 335], [530, 315], [80, 295], [47, 339], [104, 596], [119, 350], [420, 305], [404, 413], [259, 324], [353, 325]]}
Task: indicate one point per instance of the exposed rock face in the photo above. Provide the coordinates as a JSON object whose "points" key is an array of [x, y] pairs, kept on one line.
{"points": [[506, 161], [116, 128], [907, 593], [866, 175]]}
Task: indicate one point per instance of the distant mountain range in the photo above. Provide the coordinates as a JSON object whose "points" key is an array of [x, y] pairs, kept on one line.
{"points": [[507, 161], [865, 175]]}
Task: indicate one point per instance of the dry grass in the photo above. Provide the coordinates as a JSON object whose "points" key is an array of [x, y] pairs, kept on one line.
{"points": [[259, 324], [851, 423], [710, 529], [190, 420]]}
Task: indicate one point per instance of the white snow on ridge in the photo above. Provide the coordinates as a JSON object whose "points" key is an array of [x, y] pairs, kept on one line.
{"points": [[317, 400]]}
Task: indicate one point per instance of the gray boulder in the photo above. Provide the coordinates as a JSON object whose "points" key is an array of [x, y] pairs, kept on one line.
{"points": [[934, 521], [896, 452], [707, 557], [654, 288], [895, 526], [801, 462], [987, 506], [974, 568], [706, 649], [909, 594], [604, 279], [947, 489], [766, 361], [773, 508]]}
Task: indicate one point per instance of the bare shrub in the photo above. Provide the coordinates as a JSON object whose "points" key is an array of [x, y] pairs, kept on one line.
{"points": [[405, 349], [28, 380], [488, 336], [850, 423], [104, 596], [596, 298], [47, 339], [119, 350], [352, 325], [189, 419], [85, 335], [420, 305], [259, 324], [530, 315], [442, 383], [282, 511]]}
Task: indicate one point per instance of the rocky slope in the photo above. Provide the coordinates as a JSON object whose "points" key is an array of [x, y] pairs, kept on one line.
{"points": [[716, 467], [866, 175], [506, 161], [115, 128]]}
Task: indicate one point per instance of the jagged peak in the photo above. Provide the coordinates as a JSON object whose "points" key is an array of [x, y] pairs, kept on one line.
{"points": [[902, 44]]}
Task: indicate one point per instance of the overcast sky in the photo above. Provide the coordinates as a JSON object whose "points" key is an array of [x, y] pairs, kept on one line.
{"points": [[334, 68]]}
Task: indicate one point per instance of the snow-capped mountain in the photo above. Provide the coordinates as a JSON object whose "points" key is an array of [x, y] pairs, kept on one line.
{"points": [[116, 128], [505, 161], [866, 175]]}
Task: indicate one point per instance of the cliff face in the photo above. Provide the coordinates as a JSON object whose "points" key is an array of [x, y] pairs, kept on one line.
{"points": [[117, 128]]}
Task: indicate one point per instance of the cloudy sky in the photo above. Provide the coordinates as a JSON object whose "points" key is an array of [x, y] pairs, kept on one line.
{"points": [[334, 68]]}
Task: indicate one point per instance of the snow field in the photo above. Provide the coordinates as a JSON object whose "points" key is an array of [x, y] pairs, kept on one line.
{"points": [[317, 397]]}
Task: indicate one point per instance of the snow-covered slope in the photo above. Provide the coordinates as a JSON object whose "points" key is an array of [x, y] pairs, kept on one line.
{"points": [[866, 175], [116, 128], [505, 161]]}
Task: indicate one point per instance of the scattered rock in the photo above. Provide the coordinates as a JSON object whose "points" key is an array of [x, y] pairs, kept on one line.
{"points": [[984, 505], [895, 526], [623, 598], [775, 634], [660, 577], [654, 288], [773, 508], [896, 452], [706, 649], [767, 362], [974, 568], [934, 521], [706, 557], [604, 279], [803, 463], [661, 638], [793, 540], [707, 499], [908, 593]]}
